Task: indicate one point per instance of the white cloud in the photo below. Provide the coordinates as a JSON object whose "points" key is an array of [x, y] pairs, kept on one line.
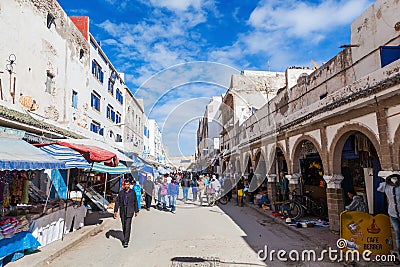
{"points": [[302, 19], [121, 4], [146, 50], [78, 12]]}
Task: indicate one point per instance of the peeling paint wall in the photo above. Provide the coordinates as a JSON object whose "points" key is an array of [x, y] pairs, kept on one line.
{"points": [[41, 52], [374, 28]]}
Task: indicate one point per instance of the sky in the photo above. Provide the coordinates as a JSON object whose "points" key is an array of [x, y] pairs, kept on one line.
{"points": [[177, 54]]}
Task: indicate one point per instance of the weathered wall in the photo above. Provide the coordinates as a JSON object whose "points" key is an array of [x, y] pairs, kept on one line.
{"points": [[40, 50]]}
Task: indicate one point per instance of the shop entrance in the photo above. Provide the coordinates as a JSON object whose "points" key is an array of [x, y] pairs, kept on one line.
{"points": [[360, 166], [312, 171], [259, 173]]}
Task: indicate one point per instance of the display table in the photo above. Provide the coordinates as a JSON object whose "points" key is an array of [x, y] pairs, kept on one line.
{"points": [[16, 246], [49, 228]]}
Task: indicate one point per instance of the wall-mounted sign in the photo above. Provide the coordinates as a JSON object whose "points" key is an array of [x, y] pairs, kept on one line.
{"points": [[28, 103]]}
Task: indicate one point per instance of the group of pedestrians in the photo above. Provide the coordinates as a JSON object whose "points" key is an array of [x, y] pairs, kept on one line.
{"points": [[165, 192]]}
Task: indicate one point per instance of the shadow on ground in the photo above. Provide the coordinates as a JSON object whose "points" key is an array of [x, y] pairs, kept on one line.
{"points": [[96, 217], [117, 234]]}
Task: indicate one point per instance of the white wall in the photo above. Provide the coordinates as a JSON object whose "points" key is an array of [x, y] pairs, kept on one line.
{"points": [[133, 123], [39, 50]]}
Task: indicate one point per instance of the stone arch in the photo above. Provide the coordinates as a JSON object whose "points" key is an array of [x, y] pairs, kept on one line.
{"points": [[296, 153], [396, 149], [260, 159], [336, 147], [246, 158], [238, 166]]}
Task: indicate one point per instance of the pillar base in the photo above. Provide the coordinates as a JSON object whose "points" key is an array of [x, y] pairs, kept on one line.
{"points": [[335, 200]]}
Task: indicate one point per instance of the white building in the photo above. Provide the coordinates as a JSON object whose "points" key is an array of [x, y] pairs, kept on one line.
{"points": [[146, 136], [106, 108], [133, 124], [156, 147], [208, 136], [46, 63], [248, 92]]}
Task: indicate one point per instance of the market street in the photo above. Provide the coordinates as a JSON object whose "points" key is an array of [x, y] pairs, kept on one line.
{"points": [[194, 236]]}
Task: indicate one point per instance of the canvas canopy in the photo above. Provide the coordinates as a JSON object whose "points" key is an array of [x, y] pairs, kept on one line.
{"points": [[16, 154], [72, 158]]}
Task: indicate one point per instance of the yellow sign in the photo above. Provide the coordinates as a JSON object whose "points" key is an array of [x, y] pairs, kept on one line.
{"points": [[366, 232], [29, 103]]}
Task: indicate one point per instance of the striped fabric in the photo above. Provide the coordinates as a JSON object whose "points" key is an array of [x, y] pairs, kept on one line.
{"points": [[72, 158], [16, 154], [100, 167]]}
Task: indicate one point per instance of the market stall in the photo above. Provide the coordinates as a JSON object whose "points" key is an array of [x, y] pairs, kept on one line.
{"points": [[20, 202], [55, 224], [103, 184]]}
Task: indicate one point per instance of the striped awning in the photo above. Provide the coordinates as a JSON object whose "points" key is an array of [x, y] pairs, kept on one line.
{"points": [[72, 158], [100, 167], [16, 154]]}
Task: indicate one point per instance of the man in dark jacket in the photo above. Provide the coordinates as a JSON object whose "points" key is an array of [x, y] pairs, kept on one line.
{"points": [[128, 206], [185, 185], [148, 187]]}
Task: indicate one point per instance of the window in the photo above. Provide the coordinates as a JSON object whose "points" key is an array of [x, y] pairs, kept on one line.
{"points": [[119, 97], [110, 113], [389, 54], [49, 82], [118, 138], [97, 72], [95, 101], [74, 99], [95, 127], [110, 86], [50, 20], [81, 53], [118, 118]]}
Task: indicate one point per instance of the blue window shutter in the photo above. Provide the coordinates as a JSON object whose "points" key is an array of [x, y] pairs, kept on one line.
{"points": [[93, 67], [101, 76]]}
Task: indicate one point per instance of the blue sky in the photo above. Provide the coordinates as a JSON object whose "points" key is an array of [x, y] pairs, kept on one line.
{"points": [[176, 54]]}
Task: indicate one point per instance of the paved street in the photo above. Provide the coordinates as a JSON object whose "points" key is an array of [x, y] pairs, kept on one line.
{"points": [[194, 236]]}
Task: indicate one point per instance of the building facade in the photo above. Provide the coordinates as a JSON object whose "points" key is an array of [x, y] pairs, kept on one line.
{"points": [[248, 92], [107, 90], [133, 123], [43, 86], [156, 148], [208, 137], [338, 128]]}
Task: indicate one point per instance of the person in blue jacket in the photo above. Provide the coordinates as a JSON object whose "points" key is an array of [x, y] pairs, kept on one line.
{"points": [[138, 190], [173, 192]]}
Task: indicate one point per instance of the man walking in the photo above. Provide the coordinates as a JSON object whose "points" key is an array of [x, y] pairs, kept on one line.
{"points": [[127, 204], [185, 186], [148, 188]]}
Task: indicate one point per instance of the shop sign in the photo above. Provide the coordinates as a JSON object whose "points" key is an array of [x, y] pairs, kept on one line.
{"points": [[362, 231], [28, 103]]}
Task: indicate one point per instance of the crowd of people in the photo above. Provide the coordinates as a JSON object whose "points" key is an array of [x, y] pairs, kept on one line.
{"points": [[165, 191]]}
